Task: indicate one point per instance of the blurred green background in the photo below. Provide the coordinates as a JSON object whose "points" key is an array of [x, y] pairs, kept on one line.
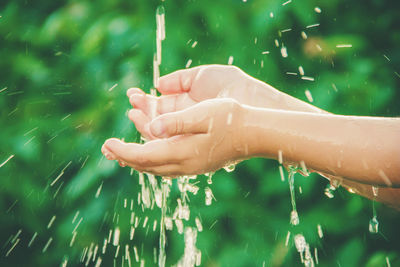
{"points": [[58, 62]]}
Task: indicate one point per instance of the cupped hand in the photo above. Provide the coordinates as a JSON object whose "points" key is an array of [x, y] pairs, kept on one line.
{"points": [[202, 138], [185, 88]]}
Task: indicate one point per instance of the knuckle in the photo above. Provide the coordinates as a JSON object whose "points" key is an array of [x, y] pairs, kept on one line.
{"points": [[179, 126]]}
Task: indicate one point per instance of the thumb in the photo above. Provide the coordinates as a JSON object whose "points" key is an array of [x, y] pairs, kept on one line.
{"points": [[192, 120]]}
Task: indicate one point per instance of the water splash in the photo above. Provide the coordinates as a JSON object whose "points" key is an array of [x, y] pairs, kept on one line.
{"points": [[304, 249], [192, 255]]}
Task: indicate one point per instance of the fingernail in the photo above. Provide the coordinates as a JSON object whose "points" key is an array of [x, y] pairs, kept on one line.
{"points": [[157, 128]]}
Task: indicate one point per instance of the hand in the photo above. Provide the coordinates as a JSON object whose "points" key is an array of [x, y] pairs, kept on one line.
{"points": [[197, 140], [185, 88]]}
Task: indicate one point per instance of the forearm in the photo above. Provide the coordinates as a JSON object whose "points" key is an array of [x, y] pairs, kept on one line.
{"points": [[280, 100], [362, 149], [389, 196]]}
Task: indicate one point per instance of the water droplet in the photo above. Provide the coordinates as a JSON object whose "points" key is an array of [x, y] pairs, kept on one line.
{"points": [[287, 239], [230, 168], [373, 225], [309, 95], [351, 190], [300, 243], [198, 224], [320, 233], [375, 191], [168, 223], [329, 191], [281, 173], [188, 63], [284, 52], [387, 262], [131, 233], [51, 221], [209, 175], [179, 226], [294, 218], [230, 60], [301, 70], [116, 236], [209, 196]]}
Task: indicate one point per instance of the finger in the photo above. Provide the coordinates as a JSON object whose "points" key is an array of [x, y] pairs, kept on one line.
{"points": [[180, 150], [138, 101], [132, 91], [192, 120], [153, 153], [107, 153], [146, 103], [160, 105], [172, 103], [141, 122], [177, 82]]}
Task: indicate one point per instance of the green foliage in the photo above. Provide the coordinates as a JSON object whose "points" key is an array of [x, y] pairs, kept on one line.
{"points": [[58, 60]]}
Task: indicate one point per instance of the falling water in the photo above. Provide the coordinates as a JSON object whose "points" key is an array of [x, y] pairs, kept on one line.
{"points": [[192, 256], [294, 217], [165, 184], [162, 242]]}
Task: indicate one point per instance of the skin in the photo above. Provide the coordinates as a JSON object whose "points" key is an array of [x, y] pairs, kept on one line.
{"points": [[211, 116]]}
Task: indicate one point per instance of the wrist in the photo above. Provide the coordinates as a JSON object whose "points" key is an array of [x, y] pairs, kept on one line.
{"points": [[265, 132], [254, 132]]}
